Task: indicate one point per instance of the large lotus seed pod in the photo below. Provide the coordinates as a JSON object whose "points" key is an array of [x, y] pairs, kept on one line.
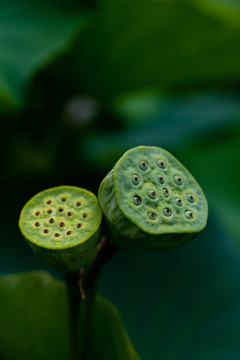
{"points": [[62, 226], [151, 201]]}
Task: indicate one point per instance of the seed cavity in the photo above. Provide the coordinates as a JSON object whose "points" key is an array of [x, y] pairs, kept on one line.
{"points": [[84, 215], [61, 224], [189, 215], [48, 202], [37, 224], [51, 221], [63, 199], [137, 200], [60, 210], [178, 180], [79, 225], [49, 211], [143, 165], [178, 202], [152, 216], [69, 232], [78, 203], [45, 231], [57, 235], [166, 193], [37, 213], [69, 213], [161, 179], [161, 164], [135, 180], [167, 212], [190, 198], [152, 194]]}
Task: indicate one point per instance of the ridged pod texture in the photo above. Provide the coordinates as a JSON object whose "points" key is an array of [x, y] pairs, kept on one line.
{"points": [[62, 225], [151, 201]]}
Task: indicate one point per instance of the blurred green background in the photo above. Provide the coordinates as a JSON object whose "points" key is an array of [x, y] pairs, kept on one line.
{"points": [[83, 81]]}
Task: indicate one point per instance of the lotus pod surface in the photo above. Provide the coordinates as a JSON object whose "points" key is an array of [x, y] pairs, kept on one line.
{"points": [[151, 201], [61, 225]]}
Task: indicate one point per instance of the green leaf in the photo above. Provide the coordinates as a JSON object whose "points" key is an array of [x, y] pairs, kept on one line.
{"points": [[158, 44], [32, 34], [34, 322]]}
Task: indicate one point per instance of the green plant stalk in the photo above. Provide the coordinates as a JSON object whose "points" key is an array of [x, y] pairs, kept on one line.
{"points": [[81, 289]]}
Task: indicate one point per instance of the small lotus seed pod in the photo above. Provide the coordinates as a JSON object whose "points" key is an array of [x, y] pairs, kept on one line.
{"points": [[65, 238], [151, 215]]}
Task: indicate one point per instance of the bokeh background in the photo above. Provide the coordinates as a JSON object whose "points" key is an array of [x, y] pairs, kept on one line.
{"points": [[83, 81]]}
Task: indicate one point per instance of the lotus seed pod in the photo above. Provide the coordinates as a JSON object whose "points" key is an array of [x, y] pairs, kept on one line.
{"points": [[151, 201], [62, 225]]}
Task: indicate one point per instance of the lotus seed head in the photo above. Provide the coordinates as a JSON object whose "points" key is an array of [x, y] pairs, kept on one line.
{"points": [[167, 212], [143, 165], [189, 215], [190, 198], [151, 194], [136, 200], [161, 164], [178, 202], [152, 216], [161, 179], [178, 180], [135, 179]]}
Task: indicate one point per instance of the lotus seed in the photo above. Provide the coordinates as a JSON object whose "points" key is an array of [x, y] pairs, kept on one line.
{"points": [[84, 215], [69, 232], [37, 213], [152, 194], [143, 165], [69, 213], [152, 216], [166, 193], [45, 231], [135, 180], [37, 224], [136, 200], [78, 203], [61, 224], [190, 198], [49, 202], [178, 180], [57, 235], [167, 212], [79, 225], [51, 221], [63, 199], [178, 202], [161, 164], [49, 211], [189, 215], [60, 210], [161, 179]]}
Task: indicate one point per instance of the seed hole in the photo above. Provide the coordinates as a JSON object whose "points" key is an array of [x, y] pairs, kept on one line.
{"points": [[61, 224], [166, 193], [135, 180], [37, 224], [78, 203], [161, 179], [48, 202], [143, 165], [178, 180], [49, 211], [189, 215], [60, 209], [69, 213], [37, 213], [79, 225], [161, 164], [57, 235], [84, 215], [178, 202], [152, 216], [45, 231], [190, 198], [63, 199], [167, 212], [152, 194], [51, 221], [137, 200], [69, 232]]}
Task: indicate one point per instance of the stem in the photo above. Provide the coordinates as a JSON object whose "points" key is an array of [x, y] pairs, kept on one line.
{"points": [[81, 288]]}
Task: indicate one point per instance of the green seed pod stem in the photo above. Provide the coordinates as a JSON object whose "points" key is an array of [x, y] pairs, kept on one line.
{"points": [[151, 201], [62, 226]]}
